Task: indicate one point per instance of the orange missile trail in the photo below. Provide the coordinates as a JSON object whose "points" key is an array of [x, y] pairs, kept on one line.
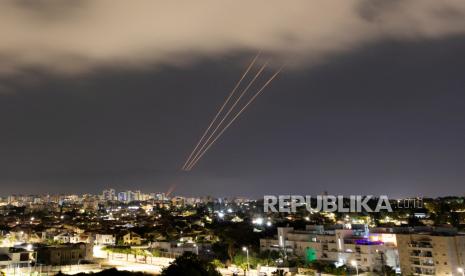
{"points": [[227, 114], [234, 118], [221, 109], [171, 189]]}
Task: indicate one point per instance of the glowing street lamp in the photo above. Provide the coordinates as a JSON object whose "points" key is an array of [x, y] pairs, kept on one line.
{"points": [[355, 264], [460, 270], [245, 249]]}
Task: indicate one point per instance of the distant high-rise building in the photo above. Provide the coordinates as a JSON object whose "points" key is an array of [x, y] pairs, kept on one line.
{"points": [[123, 196], [137, 196], [131, 196], [109, 194], [160, 197]]}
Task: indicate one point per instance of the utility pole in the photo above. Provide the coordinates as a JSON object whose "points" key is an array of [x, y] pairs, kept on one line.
{"points": [[247, 254]]}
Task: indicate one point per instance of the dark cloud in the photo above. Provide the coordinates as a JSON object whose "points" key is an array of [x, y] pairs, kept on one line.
{"points": [[374, 10], [81, 36]]}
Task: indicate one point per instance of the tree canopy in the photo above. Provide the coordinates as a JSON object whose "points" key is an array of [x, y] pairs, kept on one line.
{"points": [[190, 265], [111, 272]]}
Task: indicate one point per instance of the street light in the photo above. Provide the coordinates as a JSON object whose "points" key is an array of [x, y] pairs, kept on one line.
{"points": [[246, 250], [460, 270], [78, 264], [355, 264]]}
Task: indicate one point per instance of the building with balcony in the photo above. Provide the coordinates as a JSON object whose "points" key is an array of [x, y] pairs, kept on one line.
{"points": [[337, 244], [105, 239], [16, 257], [433, 253], [132, 238]]}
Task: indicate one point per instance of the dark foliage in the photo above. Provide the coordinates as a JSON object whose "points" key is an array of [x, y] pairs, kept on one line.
{"points": [[190, 265], [111, 272]]}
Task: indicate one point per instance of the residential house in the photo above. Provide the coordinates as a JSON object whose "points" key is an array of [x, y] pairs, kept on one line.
{"points": [[132, 238]]}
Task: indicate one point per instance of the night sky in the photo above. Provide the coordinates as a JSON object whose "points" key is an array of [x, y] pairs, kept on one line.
{"points": [[385, 117]]}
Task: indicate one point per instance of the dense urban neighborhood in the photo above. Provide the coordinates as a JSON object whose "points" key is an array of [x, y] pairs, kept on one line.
{"points": [[134, 231]]}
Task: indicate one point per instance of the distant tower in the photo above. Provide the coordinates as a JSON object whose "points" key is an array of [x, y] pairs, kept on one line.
{"points": [[123, 196], [109, 194]]}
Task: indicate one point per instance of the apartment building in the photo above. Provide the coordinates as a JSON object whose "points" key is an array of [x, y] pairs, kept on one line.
{"points": [[337, 244], [105, 239], [64, 254], [132, 238], [438, 253], [16, 257]]}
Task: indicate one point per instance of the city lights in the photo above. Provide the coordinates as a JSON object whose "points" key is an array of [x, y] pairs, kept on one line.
{"points": [[258, 138]]}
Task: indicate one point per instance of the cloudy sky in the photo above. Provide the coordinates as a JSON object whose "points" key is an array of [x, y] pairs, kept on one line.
{"points": [[96, 94]]}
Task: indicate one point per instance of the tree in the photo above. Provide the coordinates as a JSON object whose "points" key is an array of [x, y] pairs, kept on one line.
{"points": [[190, 265], [328, 267], [389, 271], [217, 263], [269, 257], [221, 251], [241, 260], [111, 272]]}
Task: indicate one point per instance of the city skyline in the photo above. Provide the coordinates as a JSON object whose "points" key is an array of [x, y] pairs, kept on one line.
{"points": [[226, 138]]}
